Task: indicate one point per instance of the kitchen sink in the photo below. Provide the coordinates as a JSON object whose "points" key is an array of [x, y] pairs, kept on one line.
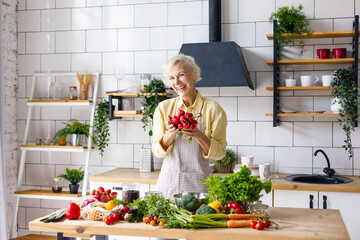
{"points": [[318, 179]]}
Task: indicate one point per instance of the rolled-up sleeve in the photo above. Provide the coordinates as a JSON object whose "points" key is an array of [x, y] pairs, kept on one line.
{"points": [[159, 129], [217, 134]]}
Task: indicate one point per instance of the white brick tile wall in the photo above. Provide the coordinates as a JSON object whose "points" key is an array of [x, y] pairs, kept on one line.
{"points": [[312, 134], [28, 21], [40, 42], [28, 64], [343, 24], [55, 62], [44, 174], [264, 80], [91, 3], [233, 32], [158, 16], [86, 18], [294, 157], [21, 5], [196, 34], [228, 104], [125, 59], [267, 135], [250, 11], [260, 154], [21, 43], [69, 42], [166, 38], [120, 2], [339, 136], [55, 158], [118, 17], [229, 12], [329, 9], [246, 104], [188, 13], [135, 39], [86, 62], [240, 133], [263, 28], [54, 20], [149, 62], [101, 41], [59, 113], [40, 4], [132, 132], [256, 58], [208, 91], [307, 4], [69, 3]]}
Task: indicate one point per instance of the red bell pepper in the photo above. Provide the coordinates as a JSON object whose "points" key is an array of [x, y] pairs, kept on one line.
{"points": [[234, 207], [72, 211]]}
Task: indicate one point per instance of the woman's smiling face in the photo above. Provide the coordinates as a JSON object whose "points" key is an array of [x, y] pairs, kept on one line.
{"points": [[181, 80]]}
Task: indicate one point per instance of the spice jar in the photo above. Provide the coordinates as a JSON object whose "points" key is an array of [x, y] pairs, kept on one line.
{"points": [[260, 209], [56, 188], [57, 91], [130, 192], [73, 95]]}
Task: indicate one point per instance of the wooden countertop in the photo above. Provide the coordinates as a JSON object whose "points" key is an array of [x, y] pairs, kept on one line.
{"points": [[124, 175], [295, 223]]}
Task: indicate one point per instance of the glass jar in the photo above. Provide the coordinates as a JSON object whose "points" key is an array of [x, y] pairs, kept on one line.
{"points": [[73, 95], [56, 188], [57, 91], [130, 192], [144, 80], [260, 209]]}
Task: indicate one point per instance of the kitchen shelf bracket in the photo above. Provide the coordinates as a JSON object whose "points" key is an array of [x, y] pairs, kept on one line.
{"points": [[355, 55], [276, 82]]}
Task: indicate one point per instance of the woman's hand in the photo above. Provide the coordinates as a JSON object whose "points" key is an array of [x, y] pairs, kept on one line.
{"points": [[169, 136], [200, 137]]}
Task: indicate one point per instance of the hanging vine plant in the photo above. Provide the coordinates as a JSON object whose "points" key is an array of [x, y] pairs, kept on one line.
{"points": [[291, 20], [345, 89], [149, 103], [101, 126]]}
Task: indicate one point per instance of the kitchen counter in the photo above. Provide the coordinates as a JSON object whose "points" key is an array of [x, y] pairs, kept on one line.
{"points": [[124, 175], [295, 223]]}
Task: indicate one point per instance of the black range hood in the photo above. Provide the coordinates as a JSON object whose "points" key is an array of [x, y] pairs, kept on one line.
{"points": [[222, 63]]}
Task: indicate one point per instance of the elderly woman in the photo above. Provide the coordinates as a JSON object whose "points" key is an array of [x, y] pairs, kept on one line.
{"points": [[185, 164]]}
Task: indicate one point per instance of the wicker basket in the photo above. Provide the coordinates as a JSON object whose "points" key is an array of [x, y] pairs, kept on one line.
{"points": [[223, 167]]}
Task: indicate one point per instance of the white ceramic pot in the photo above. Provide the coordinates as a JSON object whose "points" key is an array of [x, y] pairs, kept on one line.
{"points": [[335, 105]]}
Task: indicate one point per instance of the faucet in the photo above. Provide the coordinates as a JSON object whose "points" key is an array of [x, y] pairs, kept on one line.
{"points": [[328, 171]]}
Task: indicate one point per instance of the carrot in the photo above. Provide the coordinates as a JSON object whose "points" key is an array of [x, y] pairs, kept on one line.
{"points": [[242, 216], [237, 223]]}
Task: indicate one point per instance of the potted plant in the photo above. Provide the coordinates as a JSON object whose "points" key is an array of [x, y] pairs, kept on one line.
{"points": [[74, 176], [150, 101], [101, 126], [290, 20], [346, 93], [225, 165], [75, 129]]}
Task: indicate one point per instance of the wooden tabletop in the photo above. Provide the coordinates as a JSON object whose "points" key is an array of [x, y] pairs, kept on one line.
{"points": [[125, 175], [295, 223]]}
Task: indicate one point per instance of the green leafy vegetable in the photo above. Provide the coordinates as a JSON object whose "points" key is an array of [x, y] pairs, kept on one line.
{"points": [[189, 202], [238, 187], [205, 209], [101, 126]]}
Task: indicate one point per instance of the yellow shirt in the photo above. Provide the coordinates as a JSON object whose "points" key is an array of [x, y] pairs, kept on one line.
{"points": [[212, 116]]}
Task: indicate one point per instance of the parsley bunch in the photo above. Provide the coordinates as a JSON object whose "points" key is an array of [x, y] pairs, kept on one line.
{"points": [[238, 187]]}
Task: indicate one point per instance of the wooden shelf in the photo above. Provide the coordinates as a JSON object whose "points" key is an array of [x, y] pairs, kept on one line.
{"points": [[122, 94], [35, 237], [316, 35], [127, 115], [48, 194], [312, 61], [303, 114], [299, 88], [53, 148], [59, 102]]}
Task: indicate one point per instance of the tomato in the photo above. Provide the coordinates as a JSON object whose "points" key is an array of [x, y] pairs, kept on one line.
{"points": [[267, 223], [113, 218], [155, 219], [152, 223], [260, 226], [104, 218], [161, 223], [125, 209], [144, 219], [148, 219], [253, 224], [122, 216], [108, 221]]}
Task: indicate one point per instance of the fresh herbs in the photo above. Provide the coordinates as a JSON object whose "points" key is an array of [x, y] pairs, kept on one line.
{"points": [[73, 126], [230, 157], [290, 20], [74, 176], [238, 187], [150, 101], [101, 126], [345, 89]]}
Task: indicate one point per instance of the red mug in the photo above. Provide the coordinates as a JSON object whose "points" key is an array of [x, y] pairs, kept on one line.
{"points": [[323, 53], [339, 52]]}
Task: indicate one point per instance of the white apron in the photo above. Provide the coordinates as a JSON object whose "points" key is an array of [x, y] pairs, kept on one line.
{"points": [[183, 168]]}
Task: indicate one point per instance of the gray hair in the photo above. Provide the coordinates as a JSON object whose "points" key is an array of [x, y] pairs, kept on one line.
{"points": [[189, 63]]}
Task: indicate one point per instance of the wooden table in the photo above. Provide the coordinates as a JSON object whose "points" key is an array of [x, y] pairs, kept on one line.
{"points": [[295, 223]]}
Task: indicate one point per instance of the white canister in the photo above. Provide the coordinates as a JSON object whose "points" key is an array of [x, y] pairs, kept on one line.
{"points": [[247, 161], [264, 171], [326, 80], [335, 105], [290, 82], [306, 81]]}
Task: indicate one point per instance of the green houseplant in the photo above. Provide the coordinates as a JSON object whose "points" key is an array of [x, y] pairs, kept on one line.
{"points": [[101, 126], [74, 128], [290, 20], [74, 176], [225, 164], [150, 101], [346, 91]]}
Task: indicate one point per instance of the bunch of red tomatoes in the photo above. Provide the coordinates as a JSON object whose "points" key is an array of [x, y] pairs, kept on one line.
{"points": [[116, 216], [153, 221], [260, 225]]}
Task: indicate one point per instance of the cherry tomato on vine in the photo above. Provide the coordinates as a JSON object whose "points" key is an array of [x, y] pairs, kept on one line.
{"points": [[155, 219], [267, 223], [253, 224], [144, 219], [152, 223], [161, 223], [108, 221], [260, 226]]}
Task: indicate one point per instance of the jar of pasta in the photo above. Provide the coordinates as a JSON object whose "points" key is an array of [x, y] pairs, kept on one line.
{"points": [[260, 209]]}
